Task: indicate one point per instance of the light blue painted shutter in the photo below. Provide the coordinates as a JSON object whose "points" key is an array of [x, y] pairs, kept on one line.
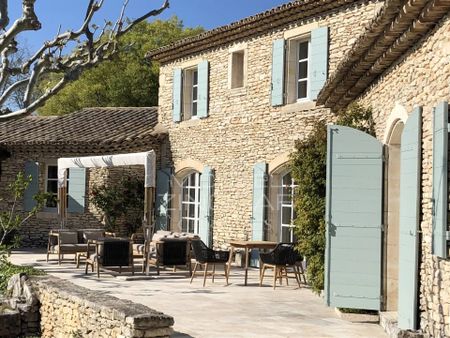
{"points": [[203, 89], [77, 190], [278, 73], [440, 177], [410, 168], [318, 61], [177, 91], [205, 216], [162, 200], [258, 210], [353, 219], [31, 169]]}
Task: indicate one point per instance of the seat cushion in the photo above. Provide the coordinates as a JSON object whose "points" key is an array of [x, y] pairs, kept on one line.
{"points": [[138, 249], [93, 235], [68, 237], [69, 248]]}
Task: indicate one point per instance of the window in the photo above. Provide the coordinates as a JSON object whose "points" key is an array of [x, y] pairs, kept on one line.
{"points": [[287, 210], [190, 203], [297, 86], [51, 186], [190, 93], [237, 69]]}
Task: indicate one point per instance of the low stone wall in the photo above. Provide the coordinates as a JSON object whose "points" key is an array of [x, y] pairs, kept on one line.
{"points": [[68, 310]]}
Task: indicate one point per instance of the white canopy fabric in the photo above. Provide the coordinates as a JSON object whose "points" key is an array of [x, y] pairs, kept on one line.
{"points": [[147, 159]]}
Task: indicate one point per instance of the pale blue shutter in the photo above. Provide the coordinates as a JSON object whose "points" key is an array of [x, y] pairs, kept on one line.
{"points": [[440, 177], [258, 210], [31, 169], [203, 89], [353, 219], [162, 200], [177, 92], [278, 73], [410, 168], [318, 72], [205, 215], [77, 190]]}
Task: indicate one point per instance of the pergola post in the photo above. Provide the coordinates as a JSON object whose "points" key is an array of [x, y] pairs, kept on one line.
{"points": [[62, 201], [149, 212]]}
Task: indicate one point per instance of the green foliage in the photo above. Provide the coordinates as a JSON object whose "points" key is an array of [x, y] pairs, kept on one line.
{"points": [[126, 199], [7, 270], [126, 81], [308, 165], [10, 219]]}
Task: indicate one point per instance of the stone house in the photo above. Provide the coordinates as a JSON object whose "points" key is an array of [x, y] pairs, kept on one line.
{"points": [[34, 144], [235, 99]]}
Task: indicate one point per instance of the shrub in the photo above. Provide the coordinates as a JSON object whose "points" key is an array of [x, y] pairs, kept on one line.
{"points": [[7, 270], [308, 165]]}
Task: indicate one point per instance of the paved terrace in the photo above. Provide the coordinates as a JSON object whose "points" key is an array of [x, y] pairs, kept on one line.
{"points": [[217, 311]]}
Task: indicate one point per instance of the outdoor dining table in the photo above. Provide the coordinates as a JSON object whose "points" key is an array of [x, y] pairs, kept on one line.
{"points": [[247, 246]]}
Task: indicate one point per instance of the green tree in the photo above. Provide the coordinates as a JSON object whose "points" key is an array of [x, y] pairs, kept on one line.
{"points": [[125, 81], [308, 165]]}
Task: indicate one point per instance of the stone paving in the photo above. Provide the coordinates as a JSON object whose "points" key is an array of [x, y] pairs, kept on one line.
{"points": [[217, 311]]}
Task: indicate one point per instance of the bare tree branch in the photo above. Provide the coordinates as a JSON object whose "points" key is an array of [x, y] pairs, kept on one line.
{"points": [[96, 45]]}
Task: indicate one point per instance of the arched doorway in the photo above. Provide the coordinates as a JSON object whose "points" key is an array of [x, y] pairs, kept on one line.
{"points": [[392, 216]]}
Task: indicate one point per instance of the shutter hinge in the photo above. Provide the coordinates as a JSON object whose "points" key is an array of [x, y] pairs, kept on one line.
{"points": [[447, 233], [383, 227], [448, 127]]}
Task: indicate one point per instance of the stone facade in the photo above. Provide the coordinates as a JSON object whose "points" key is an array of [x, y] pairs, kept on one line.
{"points": [[242, 127], [421, 78]]}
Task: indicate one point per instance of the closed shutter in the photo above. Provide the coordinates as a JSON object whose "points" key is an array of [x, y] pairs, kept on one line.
{"points": [[177, 90], [318, 61], [205, 215], [77, 190], [410, 168], [353, 219], [258, 210], [203, 89], [278, 72], [440, 177], [31, 169], [162, 201]]}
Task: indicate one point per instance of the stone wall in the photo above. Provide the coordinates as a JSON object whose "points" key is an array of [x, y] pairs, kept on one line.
{"points": [[421, 78], [68, 310], [243, 128]]}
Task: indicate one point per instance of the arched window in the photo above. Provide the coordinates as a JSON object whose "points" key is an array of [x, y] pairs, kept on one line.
{"points": [[190, 203], [287, 210]]}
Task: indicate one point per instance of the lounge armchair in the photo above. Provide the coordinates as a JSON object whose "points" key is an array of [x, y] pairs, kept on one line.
{"points": [[170, 252], [206, 257], [282, 258]]}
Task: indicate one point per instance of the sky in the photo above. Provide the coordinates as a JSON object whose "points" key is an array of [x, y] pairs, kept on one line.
{"points": [[69, 13]]}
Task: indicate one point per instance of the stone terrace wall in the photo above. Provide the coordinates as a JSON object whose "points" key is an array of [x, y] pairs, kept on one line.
{"points": [[422, 77], [243, 128], [68, 310]]}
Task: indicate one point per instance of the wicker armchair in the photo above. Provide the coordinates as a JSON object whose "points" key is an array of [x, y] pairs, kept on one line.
{"points": [[205, 256], [282, 258]]}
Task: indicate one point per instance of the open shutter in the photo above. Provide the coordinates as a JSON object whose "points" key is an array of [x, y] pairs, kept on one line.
{"points": [[278, 73], [162, 198], [31, 169], [205, 217], [440, 179], [318, 61], [203, 89], [258, 210], [177, 90], [410, 168], [77, 190], [354, 219]]}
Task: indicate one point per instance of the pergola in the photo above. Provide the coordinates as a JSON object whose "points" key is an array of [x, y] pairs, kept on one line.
{"points": [[147, 159]]}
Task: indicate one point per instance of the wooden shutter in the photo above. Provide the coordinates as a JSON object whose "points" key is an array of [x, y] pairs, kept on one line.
{"points": [[205, 216], [203, 89], [258, 210], [318, 61], [31, 169], [440, 179], [410, 169], [353, 219], [278, 72], [162, 200], [177, 90], [77, 190]]}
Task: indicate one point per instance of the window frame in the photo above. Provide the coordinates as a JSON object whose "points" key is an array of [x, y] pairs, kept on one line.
{"points": [[232, 72], [187, 204], [47, 179], [292, 69], [290, 205], [187, 93], [307, 79]]}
